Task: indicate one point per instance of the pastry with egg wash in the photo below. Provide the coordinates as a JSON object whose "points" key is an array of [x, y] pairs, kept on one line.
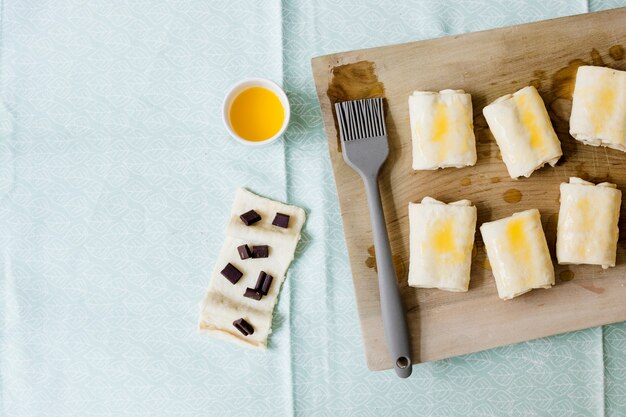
{"points": [[441, 239], [599, 107], [442, 131], [587, 230], [518, 253], [521, 126]]}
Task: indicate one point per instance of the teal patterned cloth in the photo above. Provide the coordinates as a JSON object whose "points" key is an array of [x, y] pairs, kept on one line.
{"points": [[116, 177]]}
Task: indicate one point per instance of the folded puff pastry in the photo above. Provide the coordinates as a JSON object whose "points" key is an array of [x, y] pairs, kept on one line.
{"points": [[441, 242], [518, 253], [587, 230], [442, 131], [523, 131], [599, 107]]}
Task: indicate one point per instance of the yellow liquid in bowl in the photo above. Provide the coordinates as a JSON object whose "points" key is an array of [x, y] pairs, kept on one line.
{"points": [[256, 114]]}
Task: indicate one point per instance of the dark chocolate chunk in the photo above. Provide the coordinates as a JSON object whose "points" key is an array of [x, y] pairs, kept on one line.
{"points": [[259, 281], [244, 252], [250, 217], [263, 283], [281, 220], [252, 293], [231, 273], [244, 327], [261, 251], [265, 287]]}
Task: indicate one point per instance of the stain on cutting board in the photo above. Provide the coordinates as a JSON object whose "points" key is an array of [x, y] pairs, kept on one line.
{"points": [[487, 264], [563, 82], [540, 76], [353, 82], [616, 52], [566, 275], [401, 271], [596, 58], [512, 196]]}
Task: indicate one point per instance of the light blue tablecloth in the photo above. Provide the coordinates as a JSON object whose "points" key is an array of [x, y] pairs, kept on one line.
{"points": [[116, 176]]}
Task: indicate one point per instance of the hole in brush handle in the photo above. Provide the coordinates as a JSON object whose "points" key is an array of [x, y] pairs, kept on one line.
{"points": [[403, 362]]}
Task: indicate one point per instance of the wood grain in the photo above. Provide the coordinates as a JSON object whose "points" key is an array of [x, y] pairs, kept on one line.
{"points": [[487, 65]]}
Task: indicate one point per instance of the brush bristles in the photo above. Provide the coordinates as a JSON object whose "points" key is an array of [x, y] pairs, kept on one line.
{"points": [[360, 119]]}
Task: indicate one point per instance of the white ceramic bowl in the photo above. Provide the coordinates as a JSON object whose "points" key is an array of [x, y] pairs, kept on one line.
{"points": [[244, 85]]}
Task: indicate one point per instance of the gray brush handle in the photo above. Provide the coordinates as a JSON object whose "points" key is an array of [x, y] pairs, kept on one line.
{"points": [[394, 320]]}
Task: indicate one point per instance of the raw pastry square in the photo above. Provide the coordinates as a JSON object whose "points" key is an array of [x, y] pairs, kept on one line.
{"points": [[521, 126], [518, 253], [224, 302], [442, 238], [441, 129], [587, 230], [599, 107]]}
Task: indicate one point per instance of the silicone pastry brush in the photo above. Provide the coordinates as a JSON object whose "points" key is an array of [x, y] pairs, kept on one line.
{"points": [[365, 148]]}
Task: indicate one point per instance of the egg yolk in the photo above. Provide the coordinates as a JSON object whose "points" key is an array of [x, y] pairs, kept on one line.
{"points": [[444, 237], [520, 246], [605, 103], [256, 114], [529, 120], [444, 243], [440, 129]]}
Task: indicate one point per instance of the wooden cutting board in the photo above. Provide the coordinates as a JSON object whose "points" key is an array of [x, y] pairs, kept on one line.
{"points": [[487, 65]]}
